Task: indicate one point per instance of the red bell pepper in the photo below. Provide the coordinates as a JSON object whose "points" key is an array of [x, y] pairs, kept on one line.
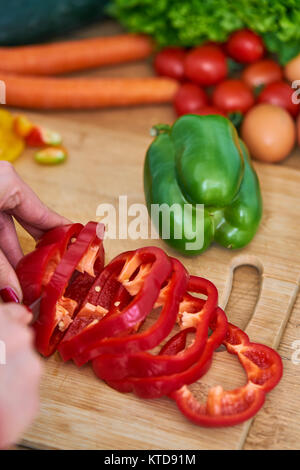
{"points": [[192, 311], [142, 273], [157, 386], [91, 266], [172, 296], [56, 309], [61, 235], [98, 302], [39, 137], [263, 367], [92, 313], [35, 269], [178, 342]]}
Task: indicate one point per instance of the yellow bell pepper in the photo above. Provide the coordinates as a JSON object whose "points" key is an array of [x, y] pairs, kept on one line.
{"points": [[11, 145]]}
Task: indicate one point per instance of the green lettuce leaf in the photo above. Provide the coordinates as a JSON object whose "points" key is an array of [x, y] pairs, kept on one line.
{"points": [[191, 22]]}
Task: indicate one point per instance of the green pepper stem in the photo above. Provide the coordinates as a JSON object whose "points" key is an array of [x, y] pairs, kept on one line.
{"points": [[159, 129]]}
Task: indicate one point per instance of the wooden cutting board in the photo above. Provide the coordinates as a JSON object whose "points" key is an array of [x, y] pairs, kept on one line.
{"points": [[78, 411]]}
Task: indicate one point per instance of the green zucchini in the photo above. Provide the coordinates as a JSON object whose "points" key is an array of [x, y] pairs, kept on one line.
{"points": [[32, 21]]}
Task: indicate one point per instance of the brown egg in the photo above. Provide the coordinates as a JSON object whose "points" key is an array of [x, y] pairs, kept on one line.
{"points": [[269, 132], [292, 69]]}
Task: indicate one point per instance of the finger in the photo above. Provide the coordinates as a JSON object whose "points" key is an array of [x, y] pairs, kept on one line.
{"points": [[18, 199], [34, 232], [16, 313], [9, 242], [8, 277], [22, 386], [19, 395]]}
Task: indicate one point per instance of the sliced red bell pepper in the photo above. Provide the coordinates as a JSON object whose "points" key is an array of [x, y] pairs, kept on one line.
{"points": [[222, 408], [172, 296], [142, 273], [262, 364], [192, 311], [57, 310], [155, 387], [91, 266], [62, 235], [98, 302], [36, 268], [177, 343], [263, 367]]}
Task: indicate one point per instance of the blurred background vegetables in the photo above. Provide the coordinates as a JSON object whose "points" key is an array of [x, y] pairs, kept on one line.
{"points": [[245, 46], [169, 22], [234, 78], [86, 93], [189, 99], [29, 21], [212, 57], [191, 22], [18, 132], [280, 94], [206, 65], [11, 145], [233, 95], [262, 72], [71, 56]]}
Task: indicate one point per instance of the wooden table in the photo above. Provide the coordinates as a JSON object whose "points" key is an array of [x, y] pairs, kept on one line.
{"points": [[270, 429]]}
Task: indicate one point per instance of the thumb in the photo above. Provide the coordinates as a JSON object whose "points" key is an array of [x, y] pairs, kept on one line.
{"points": [[10, 289]]}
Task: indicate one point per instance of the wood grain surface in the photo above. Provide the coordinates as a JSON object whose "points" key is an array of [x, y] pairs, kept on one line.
{"points": [[78, 411]]}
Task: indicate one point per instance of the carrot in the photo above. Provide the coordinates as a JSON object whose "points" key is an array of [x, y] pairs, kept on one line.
{"points": [[83, 93], [69, 56]]}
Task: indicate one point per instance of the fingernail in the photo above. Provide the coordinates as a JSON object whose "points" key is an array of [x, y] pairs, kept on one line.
{"points": [[9, 295]]}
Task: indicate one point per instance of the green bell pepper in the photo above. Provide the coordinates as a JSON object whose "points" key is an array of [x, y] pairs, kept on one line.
{"points": [[200, 185]]}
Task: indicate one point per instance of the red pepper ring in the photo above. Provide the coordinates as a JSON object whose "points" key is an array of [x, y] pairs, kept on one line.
{"points": [[174, 291], [263, 367], [176, 343], [60, 235], [125, 266], [100, 301], [36, 268], [115, 298], [155, 387], [46, 338], [262, 364], [240, 404], [203, 286], [192, 311]]}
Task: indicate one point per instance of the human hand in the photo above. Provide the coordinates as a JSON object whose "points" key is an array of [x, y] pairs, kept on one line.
{"points": [[19, 201], [19, 376], [20, 370]]}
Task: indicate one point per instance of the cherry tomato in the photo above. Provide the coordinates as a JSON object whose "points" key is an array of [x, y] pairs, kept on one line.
{"points": [[206, 65], [169, 62], [189, 98], [262, 72], [298, 128], [245, 46], [280, 94], [209, 110], [233, 95]]}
